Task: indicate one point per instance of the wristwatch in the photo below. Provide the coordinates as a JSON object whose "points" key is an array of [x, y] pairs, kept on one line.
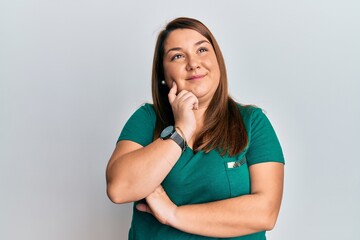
{"points": [[170, 132]]}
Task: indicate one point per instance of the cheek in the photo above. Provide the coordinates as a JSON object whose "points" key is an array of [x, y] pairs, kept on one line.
{"points": [[213, 64], [168, 72], [218, 74], [217, 70], [172, 74], [168, 80]]}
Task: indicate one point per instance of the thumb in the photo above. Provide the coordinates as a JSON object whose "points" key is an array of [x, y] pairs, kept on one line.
{"points": [[143, 207], [172, 92]]}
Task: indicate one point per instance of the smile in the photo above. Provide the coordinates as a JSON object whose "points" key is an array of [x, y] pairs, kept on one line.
{"points": [[196, 77]]}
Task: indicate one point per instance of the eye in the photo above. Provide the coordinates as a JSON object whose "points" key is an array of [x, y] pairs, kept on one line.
{"points": [[175, 57], [201, 50]]}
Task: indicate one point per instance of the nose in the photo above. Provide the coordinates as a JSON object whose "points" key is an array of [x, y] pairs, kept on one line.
{"points": [[192, 64]]}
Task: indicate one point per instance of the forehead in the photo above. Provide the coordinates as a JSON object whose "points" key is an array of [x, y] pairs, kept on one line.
{"points": [[183, 38]]}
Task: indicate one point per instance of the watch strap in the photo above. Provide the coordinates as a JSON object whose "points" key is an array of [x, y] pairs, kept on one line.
{"points": [[179, 140], [170, 133]]}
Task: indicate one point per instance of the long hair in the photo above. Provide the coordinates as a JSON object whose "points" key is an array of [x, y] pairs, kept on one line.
{"points": [[223, 127]]}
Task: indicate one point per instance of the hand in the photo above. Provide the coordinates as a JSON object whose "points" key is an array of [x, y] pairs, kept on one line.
{"points": [[183, 105], [160, 206]]}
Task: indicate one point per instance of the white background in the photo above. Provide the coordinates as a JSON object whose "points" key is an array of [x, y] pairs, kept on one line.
{"points": [[72, 72]]}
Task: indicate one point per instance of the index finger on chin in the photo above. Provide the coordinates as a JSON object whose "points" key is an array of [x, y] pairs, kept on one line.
{"points": [[172, 92]]}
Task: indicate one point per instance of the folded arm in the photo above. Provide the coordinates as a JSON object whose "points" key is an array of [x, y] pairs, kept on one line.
{"points": [[134, 171], [231, 217]]}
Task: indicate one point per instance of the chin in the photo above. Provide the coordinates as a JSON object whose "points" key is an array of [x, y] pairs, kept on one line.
{"points": [[200, 91]]}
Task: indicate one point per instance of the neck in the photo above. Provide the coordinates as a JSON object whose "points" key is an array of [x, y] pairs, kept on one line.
{"points": [[200, 113], [199, 116]]}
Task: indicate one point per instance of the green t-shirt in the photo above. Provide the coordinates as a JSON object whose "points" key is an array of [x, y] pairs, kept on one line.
{"points": [[203, 177]]}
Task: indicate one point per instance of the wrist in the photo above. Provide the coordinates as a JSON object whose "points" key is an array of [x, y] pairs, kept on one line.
{"points": [[170, 133], [172, 218], [181, 133], [186, 133]]}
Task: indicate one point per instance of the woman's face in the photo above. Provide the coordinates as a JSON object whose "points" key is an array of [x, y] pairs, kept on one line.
{"points": [[190, 61]]}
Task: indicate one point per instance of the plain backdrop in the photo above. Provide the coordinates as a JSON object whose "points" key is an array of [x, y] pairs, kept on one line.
{"points": [[73, 71]]}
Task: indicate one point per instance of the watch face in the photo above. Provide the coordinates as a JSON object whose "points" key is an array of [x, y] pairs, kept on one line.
{"points": [[166, 133]]}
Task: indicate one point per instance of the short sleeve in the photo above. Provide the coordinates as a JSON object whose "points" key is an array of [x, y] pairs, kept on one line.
{"points": [[264, 145], [140, 126]]}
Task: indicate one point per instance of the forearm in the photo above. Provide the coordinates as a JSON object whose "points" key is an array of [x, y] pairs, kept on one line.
{"points": [[227, 218], [136, 174]]}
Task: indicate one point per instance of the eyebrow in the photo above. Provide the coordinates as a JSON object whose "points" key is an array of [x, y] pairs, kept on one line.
{"points": [[179, 48]]}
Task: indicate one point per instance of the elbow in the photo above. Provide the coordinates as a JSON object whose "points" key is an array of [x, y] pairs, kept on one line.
{"points": [[116, 190], [121, 191], [269, 223], [270, 214], [270, 218], [115, 198], [115, 194]]}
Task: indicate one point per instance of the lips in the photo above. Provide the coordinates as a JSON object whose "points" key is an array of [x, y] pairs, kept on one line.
{"points": [[196, 77]]}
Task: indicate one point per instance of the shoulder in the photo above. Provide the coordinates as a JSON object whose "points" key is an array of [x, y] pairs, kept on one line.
{"points": [[264, 145], [250, 113], [145, 114], [255, 120], [147, 107], [140, 126], [146, 110]]}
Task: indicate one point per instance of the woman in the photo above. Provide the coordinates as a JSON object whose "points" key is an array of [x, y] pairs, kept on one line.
{"points": [[197, 164]]}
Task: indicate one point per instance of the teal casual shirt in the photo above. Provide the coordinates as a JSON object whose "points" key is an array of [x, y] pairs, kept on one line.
{"points": [[203, 177]]}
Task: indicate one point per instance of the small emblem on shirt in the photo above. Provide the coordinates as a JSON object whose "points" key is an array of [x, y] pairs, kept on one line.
{"points": [[236, 164]]}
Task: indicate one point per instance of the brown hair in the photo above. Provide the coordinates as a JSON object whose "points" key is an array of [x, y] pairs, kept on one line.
{"points": [[223, 127]]}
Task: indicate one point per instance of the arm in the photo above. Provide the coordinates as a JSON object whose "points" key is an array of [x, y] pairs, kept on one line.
{"points": [[134, 171], [237, 216]]}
